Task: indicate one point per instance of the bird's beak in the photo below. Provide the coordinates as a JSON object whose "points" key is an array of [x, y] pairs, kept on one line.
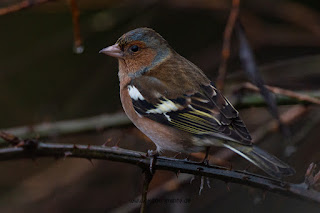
{"points": [[113, 51]]}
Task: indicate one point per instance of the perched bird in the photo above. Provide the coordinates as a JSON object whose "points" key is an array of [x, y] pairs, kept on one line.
{"points": [[174, 103]]}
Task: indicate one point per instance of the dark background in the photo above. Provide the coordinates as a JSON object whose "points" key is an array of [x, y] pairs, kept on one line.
{"points": [[43, 80]]}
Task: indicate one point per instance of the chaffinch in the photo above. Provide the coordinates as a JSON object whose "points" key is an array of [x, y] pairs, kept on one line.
{"points": [[173, 102]]}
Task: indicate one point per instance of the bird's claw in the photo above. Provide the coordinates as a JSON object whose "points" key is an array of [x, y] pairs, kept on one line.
{"points": [[153, 154], [205, 162]]}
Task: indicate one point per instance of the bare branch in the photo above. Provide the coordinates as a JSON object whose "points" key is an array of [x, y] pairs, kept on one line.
{"points": [[103, 121], [169, 186], [312, 177], [33, 149], [251, 69], [286, 92], [255, 100], [94, 123], [220, 157], [78, 47], [226, 43], [147, 179], [20, 6]]}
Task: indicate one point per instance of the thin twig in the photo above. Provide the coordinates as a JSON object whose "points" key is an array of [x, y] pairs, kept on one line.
{"points": [[312, 177], [169, 186], [226, 43], [93, 123], [250, 67], [255, 100], [20, 6], [33, 149], [147, 179], [286, 92], [78, 47], [103, 121]]}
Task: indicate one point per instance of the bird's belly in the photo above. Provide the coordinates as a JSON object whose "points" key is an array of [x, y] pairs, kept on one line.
{"points": [[165, 137]]}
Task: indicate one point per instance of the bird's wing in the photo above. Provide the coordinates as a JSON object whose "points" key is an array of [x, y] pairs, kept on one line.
{"points": [[204, 112]]}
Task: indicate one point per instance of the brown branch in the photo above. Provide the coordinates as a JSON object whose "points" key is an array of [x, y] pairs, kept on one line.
{"points": [[168, 186], [255, 100], [219, 158], [103, 121], [33, 149], [286, 92], [250, 67], [93, 123], [20, 6], [226, 43], [312, 177], [78, 47], [147, 179]]}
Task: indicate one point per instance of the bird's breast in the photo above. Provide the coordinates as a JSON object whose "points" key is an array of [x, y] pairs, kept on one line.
{"points": [[165, 137]]}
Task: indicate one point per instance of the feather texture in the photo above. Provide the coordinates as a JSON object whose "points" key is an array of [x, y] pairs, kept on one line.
{"points": [[173, 102], [203, 113]]}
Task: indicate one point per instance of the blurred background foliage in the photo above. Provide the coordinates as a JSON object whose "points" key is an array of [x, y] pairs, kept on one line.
{"points": [[42, 79]]}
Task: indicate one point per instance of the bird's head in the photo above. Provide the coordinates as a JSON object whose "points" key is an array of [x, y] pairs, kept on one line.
{"points": [[139, 49]]}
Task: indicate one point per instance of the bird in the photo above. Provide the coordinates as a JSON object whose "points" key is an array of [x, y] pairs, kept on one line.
{"points": [[174, 103]]}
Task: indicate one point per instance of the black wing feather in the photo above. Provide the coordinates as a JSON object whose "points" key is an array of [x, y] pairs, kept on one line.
{"points": [[203, 113]]}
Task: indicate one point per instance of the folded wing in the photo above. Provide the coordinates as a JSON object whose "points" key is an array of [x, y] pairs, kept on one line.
{"points": [[205, 112]]}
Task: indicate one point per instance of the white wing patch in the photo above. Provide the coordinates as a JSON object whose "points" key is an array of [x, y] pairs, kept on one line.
{"points": [[167, 116], [134, 93], [164, 107]]}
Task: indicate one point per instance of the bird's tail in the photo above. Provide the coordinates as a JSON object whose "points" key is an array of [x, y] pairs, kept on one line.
{"points": [[265, 161]]}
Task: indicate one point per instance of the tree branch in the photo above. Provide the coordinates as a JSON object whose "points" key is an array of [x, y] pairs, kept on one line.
{"points": [[21, 5], [218, 157], [93, 123], [34, 149], [147, 179], [234, 13], [255, 100], [78, 44], [285, 92], [103, 121]]}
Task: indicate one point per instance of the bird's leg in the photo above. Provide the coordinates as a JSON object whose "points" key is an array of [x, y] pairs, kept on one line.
{"points": [[187, 158], [153, 154], [205, 161], [176, 155]]}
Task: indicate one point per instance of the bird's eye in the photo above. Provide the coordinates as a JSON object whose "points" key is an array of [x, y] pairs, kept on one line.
{"points": [[134, 48]]}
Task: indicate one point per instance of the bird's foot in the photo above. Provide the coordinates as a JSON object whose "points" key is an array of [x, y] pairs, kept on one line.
{"points": [[205, 161], [187, 158], [153, 154]]}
